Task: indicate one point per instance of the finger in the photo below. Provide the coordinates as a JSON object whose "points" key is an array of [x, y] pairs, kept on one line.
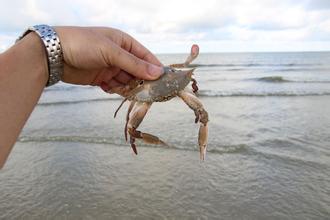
{"points": [[104, 86], [139, 50], [116, 56], [130, 44], [123, 77], [107, 86], [114, 83], [105, 75]]}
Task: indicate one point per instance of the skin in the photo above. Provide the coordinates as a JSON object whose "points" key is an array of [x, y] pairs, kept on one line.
{"points": [[96, 56]]}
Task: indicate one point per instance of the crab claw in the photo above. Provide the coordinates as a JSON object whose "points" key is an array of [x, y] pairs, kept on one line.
{"points": [[194, 51], [202, 141], [201, 115], [152, 139], [194, 85], [133, 145], [147, 138]]}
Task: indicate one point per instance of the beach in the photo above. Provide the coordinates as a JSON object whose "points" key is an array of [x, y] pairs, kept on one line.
{"points": [[268, 154]]}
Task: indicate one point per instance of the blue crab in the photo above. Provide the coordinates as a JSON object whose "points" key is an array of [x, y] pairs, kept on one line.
{"points": [[173, 83]]}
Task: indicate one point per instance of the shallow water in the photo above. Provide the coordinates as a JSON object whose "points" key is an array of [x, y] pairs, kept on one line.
{"points": [[268, 154]]}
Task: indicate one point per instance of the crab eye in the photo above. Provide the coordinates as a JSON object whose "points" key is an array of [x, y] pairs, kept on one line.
{"points": [[141, 82]]}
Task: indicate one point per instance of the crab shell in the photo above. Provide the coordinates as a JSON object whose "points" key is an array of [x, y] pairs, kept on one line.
{"points": [[166, 87]]}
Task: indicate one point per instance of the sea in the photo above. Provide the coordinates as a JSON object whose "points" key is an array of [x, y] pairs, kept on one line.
{"points": [[268, 155]]}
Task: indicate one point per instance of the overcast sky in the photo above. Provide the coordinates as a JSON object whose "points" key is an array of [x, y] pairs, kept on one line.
{"points": [[166, 26]]}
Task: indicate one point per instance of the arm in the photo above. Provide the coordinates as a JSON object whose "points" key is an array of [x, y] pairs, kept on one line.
{"points": [[95, 56], [23, 75]]}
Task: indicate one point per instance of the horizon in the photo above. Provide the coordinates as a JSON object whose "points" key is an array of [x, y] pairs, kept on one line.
{"points": [[163, 27], [217, 52]]}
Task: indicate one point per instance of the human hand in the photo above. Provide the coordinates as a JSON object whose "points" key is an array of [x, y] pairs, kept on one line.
{"points": [[105, 57]]}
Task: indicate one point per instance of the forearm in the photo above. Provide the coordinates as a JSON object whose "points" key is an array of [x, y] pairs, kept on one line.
{"points": [[23, 76]]}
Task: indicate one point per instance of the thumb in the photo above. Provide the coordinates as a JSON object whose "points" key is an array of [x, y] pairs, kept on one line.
{"points": [[116, 56]]}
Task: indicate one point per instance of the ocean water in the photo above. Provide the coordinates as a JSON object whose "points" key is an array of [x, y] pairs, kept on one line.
{"points": [[268, 154]]}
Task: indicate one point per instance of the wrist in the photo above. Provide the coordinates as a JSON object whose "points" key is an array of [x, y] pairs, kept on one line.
{"points": [[29, 53], [35, 48]]}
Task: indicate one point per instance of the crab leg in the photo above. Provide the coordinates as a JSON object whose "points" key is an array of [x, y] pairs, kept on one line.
{"points": [[135, 116], [201, 115], [131, 105], [121, 104], [193, 54], [194, 85]]}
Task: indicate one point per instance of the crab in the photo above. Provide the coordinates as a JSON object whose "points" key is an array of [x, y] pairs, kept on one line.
{"points": [[173, 83]]}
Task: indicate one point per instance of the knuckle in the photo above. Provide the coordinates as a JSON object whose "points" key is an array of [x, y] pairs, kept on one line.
{"points": [[137, 63], [115, 55], [142, 68]]}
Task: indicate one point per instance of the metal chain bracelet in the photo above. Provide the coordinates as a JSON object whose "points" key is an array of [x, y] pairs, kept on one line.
{"points": [[53, 49]]}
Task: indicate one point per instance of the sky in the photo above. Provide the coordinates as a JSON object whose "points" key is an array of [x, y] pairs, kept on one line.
{"points": [[171, 26]]}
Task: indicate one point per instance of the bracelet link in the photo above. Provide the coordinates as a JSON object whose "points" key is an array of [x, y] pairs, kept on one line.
{"points": [[53, 49]]}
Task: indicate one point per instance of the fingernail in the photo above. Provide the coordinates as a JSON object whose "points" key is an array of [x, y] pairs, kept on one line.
{"points": [[104, 86], [155, 71]]}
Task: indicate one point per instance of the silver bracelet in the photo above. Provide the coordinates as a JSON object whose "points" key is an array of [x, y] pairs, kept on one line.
{"points": [[53, 49]]}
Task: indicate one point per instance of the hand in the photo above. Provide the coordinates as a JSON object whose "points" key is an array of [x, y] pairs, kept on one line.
{"points": [[105, 57], [92, 56]]}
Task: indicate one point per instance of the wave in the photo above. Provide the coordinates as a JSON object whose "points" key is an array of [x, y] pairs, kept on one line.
{"points": [[299, 69], [273, 79], [218, 149], [83, 139], [270, 79], [270, 68], [212, 93], [236, 69], [201, 93], [280, 79], [302, 159], [255, 65], [240, 148], [67, 87], [79, 101]]}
